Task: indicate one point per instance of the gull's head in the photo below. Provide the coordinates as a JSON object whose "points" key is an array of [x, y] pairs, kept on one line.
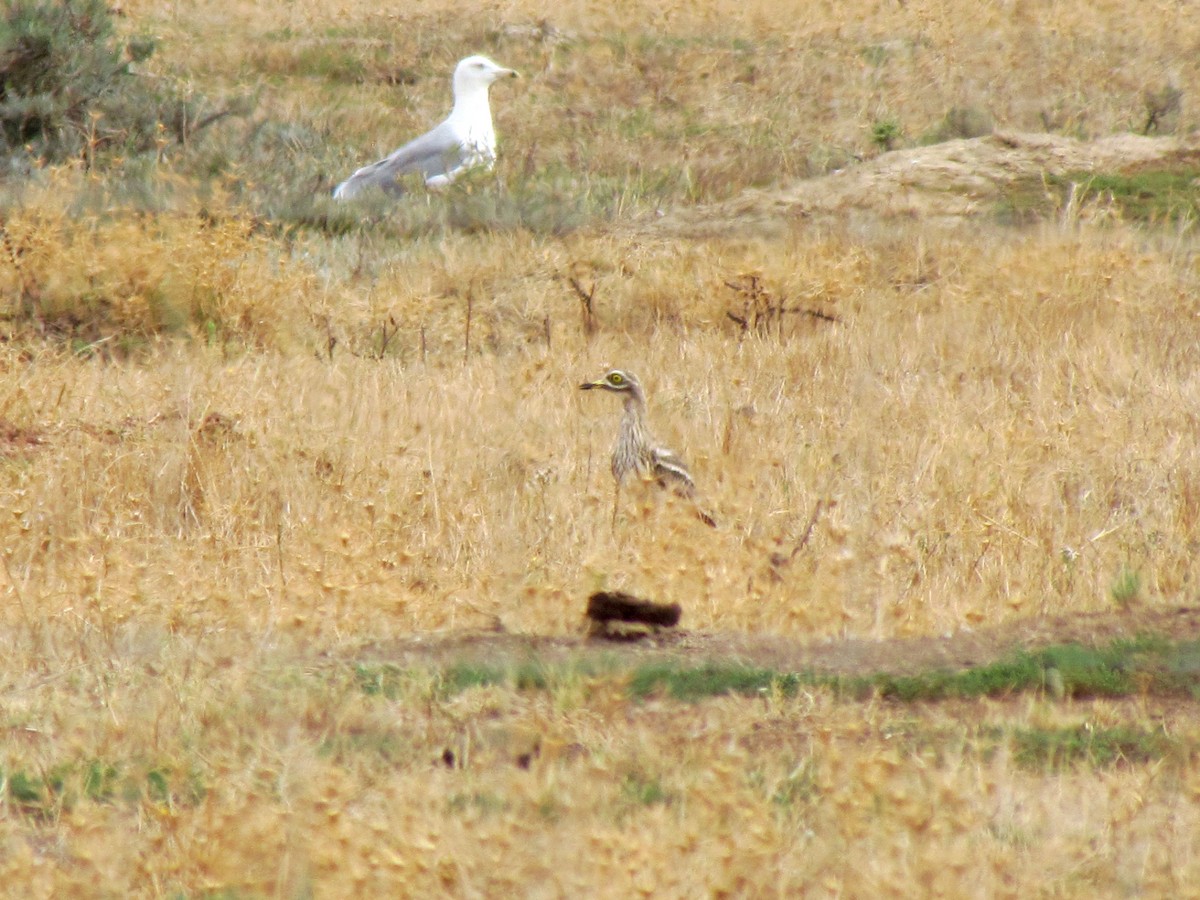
{"points": [[477, 72], [616, 380]]}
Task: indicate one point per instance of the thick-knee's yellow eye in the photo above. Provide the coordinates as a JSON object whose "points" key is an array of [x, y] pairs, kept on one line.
{"points": [[616, 378]]}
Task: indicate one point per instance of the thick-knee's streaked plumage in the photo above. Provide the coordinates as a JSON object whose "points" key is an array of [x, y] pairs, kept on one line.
{"points": [[636, 453]]}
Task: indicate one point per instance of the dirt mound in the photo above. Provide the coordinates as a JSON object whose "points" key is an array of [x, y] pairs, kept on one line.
{"points": [[950, 181]]}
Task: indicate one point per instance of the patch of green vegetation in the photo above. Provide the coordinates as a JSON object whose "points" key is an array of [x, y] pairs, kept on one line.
{"points": [[549, 809], [645, 790], [542, 205], [1146, 664], [685, 682], [710, 679], [482, 801], [999, 678], [1162, 108], [42, 795], [1183, 663], [797, 788], [68, 88], [165, 784], [886, 133], [280, 35], [1126, 586], [464, 676], [26, 790], [379, 681], [1089, 672], [158, 785], [99, 781], [1122, 668], [1119, 669], [524, 677], [556, 202], [388, 680], [877, 54], [1055, 748], [1151, 196]]}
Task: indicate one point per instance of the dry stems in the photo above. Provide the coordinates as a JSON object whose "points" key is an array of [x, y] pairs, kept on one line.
{"points": [[998, 424]]}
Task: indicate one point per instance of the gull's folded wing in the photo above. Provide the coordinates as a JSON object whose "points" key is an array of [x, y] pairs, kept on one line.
{"points": [[437, 152]]}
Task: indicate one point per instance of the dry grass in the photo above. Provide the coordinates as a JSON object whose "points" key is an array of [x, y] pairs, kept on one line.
{"points": [[233, 452], [649, 104], [989, 446]]}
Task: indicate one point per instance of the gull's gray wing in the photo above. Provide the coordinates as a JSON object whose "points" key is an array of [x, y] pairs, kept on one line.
{"points": [[436, 152]]}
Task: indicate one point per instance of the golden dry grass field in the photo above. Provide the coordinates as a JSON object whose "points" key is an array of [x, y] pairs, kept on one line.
{"points": [[253, 444]]}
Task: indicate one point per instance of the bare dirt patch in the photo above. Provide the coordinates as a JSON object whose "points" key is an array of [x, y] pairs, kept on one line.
{"points": [[850, 656], [947, 182]]}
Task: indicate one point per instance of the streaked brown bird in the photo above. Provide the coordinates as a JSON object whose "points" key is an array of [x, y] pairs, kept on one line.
{"points": [[636, 452]]}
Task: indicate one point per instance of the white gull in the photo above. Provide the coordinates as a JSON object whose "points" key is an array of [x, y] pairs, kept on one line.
{"points": [[466, 139]]}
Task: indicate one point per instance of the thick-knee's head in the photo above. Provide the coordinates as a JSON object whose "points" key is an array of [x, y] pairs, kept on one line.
{"points": [[618, 381]]}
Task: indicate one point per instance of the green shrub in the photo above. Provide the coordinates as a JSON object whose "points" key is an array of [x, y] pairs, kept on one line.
{"points": [[886, 133], [67, 89]]}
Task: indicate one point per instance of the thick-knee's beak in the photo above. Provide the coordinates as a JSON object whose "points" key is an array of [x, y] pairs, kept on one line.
{"points": [[588, 385]]}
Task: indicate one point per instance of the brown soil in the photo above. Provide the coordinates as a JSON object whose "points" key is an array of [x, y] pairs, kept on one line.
{"points": [[852, 656]]}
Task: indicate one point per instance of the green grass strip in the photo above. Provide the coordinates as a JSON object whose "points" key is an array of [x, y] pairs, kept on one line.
{"points": [[1041, 749], [1147, 664]]}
